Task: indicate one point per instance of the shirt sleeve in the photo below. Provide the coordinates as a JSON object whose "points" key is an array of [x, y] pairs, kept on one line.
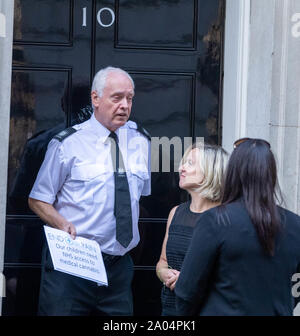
{"points": [[147, 184], [52, 174], [197, 268]]}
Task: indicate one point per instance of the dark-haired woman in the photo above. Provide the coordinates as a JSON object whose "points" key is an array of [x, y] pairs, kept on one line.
{"points": [[243, 253]]}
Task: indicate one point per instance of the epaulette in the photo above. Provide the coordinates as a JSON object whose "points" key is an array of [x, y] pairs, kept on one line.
{"points": [[143, 131], [61, 136]]}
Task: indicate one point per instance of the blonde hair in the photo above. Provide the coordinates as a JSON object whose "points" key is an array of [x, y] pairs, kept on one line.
{"points": [[212, 163]]}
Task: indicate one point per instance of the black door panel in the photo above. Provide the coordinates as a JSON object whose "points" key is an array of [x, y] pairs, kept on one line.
{"points": [[156, 24], [43, 22]]}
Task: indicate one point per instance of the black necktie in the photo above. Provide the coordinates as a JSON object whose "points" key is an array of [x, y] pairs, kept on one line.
{"points": [[122, 208]]}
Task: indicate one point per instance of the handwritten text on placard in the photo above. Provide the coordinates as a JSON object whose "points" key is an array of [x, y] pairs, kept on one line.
{"points": [[80, 257]]}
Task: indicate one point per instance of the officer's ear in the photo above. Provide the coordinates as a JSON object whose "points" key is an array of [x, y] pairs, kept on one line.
{"points": [[95, 98]]}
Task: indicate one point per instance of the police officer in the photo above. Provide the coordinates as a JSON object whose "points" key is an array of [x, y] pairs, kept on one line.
{"points": [[89, 185]]}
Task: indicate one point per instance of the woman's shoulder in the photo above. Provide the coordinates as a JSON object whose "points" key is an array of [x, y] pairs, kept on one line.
{"points": [[222, 208], [288, 213], [179, 207], [171, 214], [236, 211], [289, 217], [236, 207], [225, 215], [177, 210], [173, 210]]}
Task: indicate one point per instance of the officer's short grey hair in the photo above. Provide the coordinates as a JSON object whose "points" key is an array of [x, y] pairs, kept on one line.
{"points": [[100, 78]]}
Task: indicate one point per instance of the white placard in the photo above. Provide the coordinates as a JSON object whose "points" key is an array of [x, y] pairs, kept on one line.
{"points": [[80, 257]]}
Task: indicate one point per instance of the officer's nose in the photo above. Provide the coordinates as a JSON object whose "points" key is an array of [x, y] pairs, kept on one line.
{"points": [[124, 103]]}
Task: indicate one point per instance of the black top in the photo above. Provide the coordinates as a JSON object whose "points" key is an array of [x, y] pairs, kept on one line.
{"points": [[180, 234], [226, 271]]}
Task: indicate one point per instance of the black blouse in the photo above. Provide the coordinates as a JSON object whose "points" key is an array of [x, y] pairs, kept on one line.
{"points": [[179, 237], [226, 271]]}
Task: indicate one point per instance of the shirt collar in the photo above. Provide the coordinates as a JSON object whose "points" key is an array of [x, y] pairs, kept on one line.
{"points": [[101, 131]]}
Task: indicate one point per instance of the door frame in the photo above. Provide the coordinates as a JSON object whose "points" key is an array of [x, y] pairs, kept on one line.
{"points": [[236, 62]]}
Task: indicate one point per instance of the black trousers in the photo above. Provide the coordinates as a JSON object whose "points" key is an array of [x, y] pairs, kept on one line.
{"points": [[62, 294]]}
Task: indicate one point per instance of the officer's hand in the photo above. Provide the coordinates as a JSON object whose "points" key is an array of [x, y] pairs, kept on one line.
{"points": [[70, 228]]}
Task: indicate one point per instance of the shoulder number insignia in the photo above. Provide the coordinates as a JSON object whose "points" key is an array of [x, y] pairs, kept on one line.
{"points": [[143, 131], [61, 136]]}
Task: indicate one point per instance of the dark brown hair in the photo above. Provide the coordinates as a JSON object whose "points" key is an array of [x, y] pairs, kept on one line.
{"points": [[252, 175]]}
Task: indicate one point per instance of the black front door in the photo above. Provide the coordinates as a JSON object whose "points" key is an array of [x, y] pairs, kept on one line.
{"points": [[172, 49]]}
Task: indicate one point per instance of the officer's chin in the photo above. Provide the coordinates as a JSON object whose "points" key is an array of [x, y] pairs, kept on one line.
{"points": [[121, 121]]}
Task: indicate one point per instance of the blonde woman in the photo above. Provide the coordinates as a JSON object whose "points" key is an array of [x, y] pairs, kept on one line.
{"points": [[201, 174]]}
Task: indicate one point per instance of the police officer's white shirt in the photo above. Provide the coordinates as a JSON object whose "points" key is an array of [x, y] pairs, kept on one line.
{"points": [[77, 178]]}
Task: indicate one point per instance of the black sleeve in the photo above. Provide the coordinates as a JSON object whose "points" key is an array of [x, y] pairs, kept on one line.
{"points": [[198, 265]]}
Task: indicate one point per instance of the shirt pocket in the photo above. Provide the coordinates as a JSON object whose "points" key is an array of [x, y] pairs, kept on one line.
{"points": [[88, 183], [138, 179]]}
